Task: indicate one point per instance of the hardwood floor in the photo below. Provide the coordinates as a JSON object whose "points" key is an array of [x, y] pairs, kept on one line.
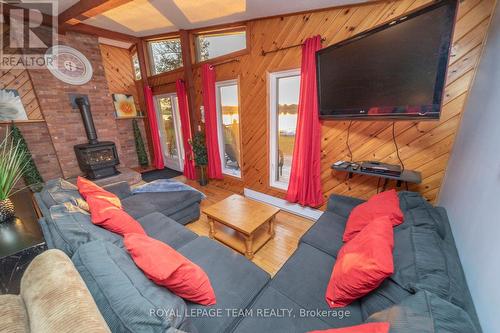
{"points": [[289, 228]]}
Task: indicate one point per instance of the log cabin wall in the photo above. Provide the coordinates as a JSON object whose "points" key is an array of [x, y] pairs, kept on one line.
{"points": [[424, 146]]}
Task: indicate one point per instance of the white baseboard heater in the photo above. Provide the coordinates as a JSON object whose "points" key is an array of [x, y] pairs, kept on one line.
{"points": [[306, 212]]}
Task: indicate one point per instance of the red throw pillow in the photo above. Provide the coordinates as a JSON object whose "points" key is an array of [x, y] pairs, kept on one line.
{"points": [[167, 267], [382, 204], [382, 327], [362, 264], [88, 188], [112, 218]]}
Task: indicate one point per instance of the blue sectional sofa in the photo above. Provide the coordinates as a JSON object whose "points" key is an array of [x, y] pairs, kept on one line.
{"points": [[427, 293]]}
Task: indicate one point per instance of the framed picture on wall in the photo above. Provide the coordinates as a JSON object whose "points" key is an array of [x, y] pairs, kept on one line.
{"points": [[124, 106], [11, 106]]}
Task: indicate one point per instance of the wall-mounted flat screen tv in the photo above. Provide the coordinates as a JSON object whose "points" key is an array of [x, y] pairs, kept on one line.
{"points": [[394, 71]]}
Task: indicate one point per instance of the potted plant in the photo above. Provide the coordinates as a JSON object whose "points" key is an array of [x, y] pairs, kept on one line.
{"points": [[13, 163], [200, 156]]}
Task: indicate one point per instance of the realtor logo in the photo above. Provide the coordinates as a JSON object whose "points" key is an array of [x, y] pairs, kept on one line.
{"points": [[28, 30]]}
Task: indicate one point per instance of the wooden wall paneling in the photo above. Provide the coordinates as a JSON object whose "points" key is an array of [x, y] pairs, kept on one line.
{"points": [[424, 146], [119, 71], [19, 79]]}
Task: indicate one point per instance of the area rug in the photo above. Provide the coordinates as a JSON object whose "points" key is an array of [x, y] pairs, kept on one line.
{"points": [[160, 174]]}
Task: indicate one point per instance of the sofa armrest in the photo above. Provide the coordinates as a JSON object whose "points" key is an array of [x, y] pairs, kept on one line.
{"points": [[56, 297], [342, 205], [121, 189]]}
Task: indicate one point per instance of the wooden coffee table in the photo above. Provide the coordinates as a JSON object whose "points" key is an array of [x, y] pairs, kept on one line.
{"points": [[244, 225]]}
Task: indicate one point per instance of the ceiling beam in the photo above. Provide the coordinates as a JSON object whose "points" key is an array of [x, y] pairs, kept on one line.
{"points": [[91, 30], [86, 9]]}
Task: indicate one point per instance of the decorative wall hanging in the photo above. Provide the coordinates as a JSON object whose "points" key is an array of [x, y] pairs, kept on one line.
{"points": [[124, 106], [68, 65], [11, 106]]}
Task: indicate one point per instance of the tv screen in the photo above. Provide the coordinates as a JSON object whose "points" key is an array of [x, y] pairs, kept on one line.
{"points": [[395, 71]]}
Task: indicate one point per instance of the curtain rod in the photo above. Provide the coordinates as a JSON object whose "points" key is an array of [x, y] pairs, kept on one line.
{"points": [[226, 62], [264, 53]]}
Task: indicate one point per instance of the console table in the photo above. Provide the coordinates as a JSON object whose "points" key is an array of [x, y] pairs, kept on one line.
{"points": [[407, 176], [21, 240]]}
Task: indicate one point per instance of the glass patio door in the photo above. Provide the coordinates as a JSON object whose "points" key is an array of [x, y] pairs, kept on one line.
{"points": [[169, 126]]}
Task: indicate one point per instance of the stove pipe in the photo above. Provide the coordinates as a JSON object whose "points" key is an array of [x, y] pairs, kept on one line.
{"points": [[84, 107]]}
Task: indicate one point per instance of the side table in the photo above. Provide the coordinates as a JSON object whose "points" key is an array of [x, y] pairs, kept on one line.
{"points": [[21, 240]]}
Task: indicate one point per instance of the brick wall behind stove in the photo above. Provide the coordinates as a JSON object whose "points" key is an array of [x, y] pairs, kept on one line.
{"points": [[65, 124], [39, 143]]}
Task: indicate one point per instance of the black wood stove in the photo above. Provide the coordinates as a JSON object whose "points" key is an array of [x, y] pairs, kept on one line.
{"points": [[96, 159]]}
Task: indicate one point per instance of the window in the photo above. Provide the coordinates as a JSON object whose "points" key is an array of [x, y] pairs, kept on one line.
{"points": [[284, 99], [165, 55], [228, 121], [137, 67], [213, 45], [170, 130]]}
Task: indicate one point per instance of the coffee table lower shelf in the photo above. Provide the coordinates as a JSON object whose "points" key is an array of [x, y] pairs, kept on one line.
{"points": [[245, 244]]}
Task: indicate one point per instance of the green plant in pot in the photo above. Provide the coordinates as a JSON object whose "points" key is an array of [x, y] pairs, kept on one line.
{"points": [[200, 156], [13, 164]]}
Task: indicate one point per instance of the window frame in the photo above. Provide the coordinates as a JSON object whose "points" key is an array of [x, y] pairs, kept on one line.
{"points": [[220, 134], [150, 57], [226, 30], [133, 55], [273, 125]]}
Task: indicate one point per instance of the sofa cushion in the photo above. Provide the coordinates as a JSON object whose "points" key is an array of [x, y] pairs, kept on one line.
{"points": [[326, 233], [379, 205], [409, 200], [128, 300], [167, 203], [58, 191], [342, 205], [363, 328], [163, 228], [137, 207], [121, 189], [304, 279], [14, 317], [88, 189], [235, 280], [56, 297], [166, 267], [420, 213], [363, 263], [104, 214], [421, 263], [460, 291], [186, 215], [386, 295], [71, 227], [274, 312], [425, 217], [425, 312]]}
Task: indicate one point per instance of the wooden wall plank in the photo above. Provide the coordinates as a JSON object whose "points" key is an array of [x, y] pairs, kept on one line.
{"points": [[119, 71]]}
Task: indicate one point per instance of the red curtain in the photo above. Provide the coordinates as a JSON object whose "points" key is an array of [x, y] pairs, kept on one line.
{"points": [[189, 170], [208, 90], [305, 177], [153, 127]]}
